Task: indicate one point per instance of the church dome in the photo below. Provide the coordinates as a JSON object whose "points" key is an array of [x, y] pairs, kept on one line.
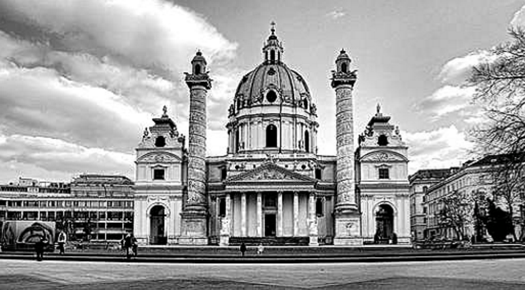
{"points": [[285, 82], [272, 110], [272, 82]]}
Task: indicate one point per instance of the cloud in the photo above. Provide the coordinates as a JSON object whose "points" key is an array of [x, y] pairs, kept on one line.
{"points": [[457, 70], [519, 18], [39, 156], [446, 100], [443, 147], [93, 73], [336, 14]]}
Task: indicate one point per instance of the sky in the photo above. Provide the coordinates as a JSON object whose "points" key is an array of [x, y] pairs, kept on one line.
{"points": [[80, 79]]}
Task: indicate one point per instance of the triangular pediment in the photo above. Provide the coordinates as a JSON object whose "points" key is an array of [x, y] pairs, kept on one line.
{"points": [[270, 172]]}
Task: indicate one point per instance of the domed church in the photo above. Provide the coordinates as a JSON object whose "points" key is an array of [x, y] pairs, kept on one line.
{"points": [[272, 187]]}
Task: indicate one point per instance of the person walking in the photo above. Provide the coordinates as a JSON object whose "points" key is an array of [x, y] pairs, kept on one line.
{"points": [[134, 245], [243, 249], [62, 238], [39, 248], [127, 244]]}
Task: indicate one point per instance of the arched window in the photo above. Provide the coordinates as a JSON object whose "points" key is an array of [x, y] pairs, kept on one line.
{"points": [[271, 136], [197, 69], [272, 55], [160, 141], [344, 67], [306, 141], [237, 141], [382, 140], [266, 55], [305, 104], [271, 96]]}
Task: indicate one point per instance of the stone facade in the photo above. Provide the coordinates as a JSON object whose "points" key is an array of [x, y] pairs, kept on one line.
{"points": [[272, 186]]}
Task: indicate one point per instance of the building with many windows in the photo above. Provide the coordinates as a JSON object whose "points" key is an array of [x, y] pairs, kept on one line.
{"points": [[472, 184], [420, 182], [94, 207]]}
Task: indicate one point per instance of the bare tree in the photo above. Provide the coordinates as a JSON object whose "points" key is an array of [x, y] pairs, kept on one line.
{"points": [[500, 90], [507, 187], [457, 213]]}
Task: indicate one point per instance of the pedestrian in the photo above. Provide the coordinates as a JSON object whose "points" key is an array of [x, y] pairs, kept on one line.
{"points": [[260, 249], [127, 244], [134, 245], [39, 248], [62, 238], [243, 249]]}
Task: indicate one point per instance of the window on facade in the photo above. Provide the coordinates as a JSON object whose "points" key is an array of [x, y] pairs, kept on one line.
{"points": [[318, 173], [425, 189], [305, 104], [160, 141], [271, 136], [382, 140], [319, 207], [237, 142], [383, 173], [307, 141], [224, 173], [271, 96], [222, 207], [158, 174]]}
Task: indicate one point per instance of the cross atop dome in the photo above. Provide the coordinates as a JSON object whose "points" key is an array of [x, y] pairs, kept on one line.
{"points": [[273, 27]]}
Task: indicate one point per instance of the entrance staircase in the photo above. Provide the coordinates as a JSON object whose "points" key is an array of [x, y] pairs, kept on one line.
{"points": [[270, 241]]}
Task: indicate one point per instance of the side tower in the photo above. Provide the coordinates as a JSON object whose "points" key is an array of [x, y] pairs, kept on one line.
{"points": [[159, 183], [347, 214], [195, 214], [382, 176]]}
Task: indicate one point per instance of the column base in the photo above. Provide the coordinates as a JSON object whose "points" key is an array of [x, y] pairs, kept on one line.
{"points": [[224, 241], [348, 229], [194, 228], [314, 241]]}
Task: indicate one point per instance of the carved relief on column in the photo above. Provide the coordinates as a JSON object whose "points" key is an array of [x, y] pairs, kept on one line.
{"points": [[197, 149], [259, 214], [345, 147], [295, 213], [279, 213]]}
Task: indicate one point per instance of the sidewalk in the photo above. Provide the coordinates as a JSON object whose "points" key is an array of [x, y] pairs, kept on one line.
{"points": [[325, 254]]}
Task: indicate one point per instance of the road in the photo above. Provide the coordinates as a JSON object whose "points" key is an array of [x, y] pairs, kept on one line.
{"points": [[467, 274]]}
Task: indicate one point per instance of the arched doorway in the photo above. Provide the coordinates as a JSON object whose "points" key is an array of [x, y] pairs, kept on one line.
{"points": [[157, 228], [384, 224]]}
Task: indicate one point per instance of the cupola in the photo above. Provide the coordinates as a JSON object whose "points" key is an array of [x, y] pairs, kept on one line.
{"points": [[272, 49]]}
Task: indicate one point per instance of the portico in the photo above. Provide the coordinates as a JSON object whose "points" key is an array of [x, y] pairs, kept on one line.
{"points": [[270, 201]]}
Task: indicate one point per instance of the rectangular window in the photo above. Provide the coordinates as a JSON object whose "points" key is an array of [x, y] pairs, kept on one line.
{"points": [[158, 174], [319, 207], [383, 173], [222, 207], [318, 173]]}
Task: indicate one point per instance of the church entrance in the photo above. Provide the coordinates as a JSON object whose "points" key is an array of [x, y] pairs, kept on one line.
{"points": [[269, 225], [384, 224], [157, 231]]}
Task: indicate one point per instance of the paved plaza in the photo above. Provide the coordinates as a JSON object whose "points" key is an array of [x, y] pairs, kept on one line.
{"points": [[471, 274]]}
